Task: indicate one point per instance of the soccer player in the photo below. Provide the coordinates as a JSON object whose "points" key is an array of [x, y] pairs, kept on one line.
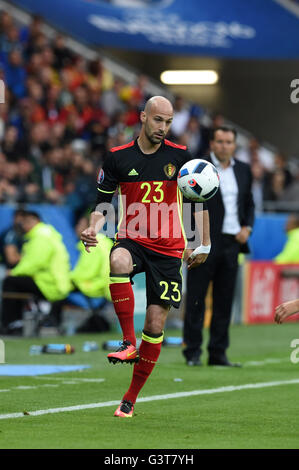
{"points": [[145, 172]]}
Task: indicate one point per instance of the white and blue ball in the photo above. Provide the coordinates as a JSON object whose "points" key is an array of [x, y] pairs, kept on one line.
{"points": [[198, 180]]}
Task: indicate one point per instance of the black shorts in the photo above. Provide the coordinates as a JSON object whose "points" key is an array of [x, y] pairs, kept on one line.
{"points": [[163, 273]]}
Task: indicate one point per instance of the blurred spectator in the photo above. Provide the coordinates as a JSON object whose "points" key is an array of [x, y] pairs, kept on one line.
{"points": [[290, 252], [15, 73], [258, 186], [28, 183], [277, 182], [63, 56], [195, 138], [255, 152], [111, 102], [55, 174], [291, 193], [11, 241], [274, 185], [181, 116], [217, 120], [8, 183], [81, 189], [280, 162], [9, 41], [11, 144], [43, 271]]}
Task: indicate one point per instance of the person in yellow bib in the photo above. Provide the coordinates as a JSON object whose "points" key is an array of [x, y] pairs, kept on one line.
{"points": [[91, 274], [290, 251], [43, 270]]}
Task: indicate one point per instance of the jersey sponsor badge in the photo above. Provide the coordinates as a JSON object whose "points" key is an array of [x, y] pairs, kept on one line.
{"points": [[169, 170], [101, 176]]}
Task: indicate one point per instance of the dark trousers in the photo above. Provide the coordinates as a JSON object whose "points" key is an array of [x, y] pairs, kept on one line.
{"points": [[221, 267], [12, 308]]}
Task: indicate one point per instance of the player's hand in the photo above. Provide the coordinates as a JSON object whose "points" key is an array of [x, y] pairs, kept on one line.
{"points": [[196, 261], [88, 238], [286, 309]]}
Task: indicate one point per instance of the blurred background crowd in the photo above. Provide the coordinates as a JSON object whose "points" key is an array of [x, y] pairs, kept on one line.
{"points": [[63, 112]]}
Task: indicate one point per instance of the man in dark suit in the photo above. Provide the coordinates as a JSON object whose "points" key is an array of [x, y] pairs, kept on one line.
{"points": [[231, 213]]}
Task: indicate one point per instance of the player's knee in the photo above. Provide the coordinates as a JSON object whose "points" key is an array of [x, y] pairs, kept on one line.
{"points": [[120, 263]]}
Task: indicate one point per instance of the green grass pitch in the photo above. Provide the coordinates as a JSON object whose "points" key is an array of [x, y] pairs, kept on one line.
{"points": [[248, 418]]}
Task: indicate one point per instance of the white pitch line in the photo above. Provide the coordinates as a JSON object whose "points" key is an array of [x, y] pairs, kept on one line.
{"points": [[229, 388], [266, 361]]}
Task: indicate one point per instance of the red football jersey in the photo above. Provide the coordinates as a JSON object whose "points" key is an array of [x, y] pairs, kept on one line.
{"points": [[150, 204]]}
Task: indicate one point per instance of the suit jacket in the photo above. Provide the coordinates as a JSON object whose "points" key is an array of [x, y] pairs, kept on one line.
{"points": [[245, 204]]}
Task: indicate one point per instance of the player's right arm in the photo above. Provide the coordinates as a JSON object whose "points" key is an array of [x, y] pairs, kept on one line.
{"points": [[107, 184]]}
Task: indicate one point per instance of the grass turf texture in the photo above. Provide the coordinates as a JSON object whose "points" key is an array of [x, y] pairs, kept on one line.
{"points": [[264, 418]]}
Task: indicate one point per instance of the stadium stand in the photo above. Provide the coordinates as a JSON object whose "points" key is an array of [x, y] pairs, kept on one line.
{"points": [[63, 111]]}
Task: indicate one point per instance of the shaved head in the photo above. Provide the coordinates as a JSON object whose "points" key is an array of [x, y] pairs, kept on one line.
{"points": [[156, 120], [158, 104]]}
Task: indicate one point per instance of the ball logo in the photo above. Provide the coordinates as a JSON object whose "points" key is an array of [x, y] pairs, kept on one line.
{"points": [[101, 176], [192, 183]]}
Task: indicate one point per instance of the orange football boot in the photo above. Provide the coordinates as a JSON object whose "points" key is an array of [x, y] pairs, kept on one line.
{"points": [[125, 409], [126, 353]]}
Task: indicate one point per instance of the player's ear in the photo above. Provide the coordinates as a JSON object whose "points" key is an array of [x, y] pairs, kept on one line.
{"points": [[142, 116]]}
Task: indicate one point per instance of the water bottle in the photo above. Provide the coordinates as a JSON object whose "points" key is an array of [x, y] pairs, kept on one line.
{"points": [[172, 341], [52, 349], [90, 346], [35, 349]]}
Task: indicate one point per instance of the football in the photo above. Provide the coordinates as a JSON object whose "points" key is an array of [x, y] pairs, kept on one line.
{"points": [[198, 180]]}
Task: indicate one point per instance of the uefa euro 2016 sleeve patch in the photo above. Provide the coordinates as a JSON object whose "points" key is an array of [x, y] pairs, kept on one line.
{"points": [[101, 176]]}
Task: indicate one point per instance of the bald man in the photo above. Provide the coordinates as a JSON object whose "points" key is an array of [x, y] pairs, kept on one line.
{"points": [[150, 237]]}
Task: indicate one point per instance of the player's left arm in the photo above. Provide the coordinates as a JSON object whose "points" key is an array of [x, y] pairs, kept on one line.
{"points": [[198, 256], [285, 310], [202, 220]]}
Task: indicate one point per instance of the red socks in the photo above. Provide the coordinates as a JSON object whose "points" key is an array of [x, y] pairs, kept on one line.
{"points": [[123, 300], [149, 352]]}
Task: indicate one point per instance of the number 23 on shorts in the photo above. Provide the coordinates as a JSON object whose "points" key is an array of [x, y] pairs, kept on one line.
{"points": [[173, 287]]}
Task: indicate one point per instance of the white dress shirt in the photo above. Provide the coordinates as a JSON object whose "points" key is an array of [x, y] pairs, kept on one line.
{"points": [[229, 191]]}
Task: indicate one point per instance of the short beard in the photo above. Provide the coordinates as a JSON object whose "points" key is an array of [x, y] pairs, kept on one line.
{"points": [[153, 140]]}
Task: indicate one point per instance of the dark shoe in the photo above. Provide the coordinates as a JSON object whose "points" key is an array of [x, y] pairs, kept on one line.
{"points": [[193, 362], [223, 363]]}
